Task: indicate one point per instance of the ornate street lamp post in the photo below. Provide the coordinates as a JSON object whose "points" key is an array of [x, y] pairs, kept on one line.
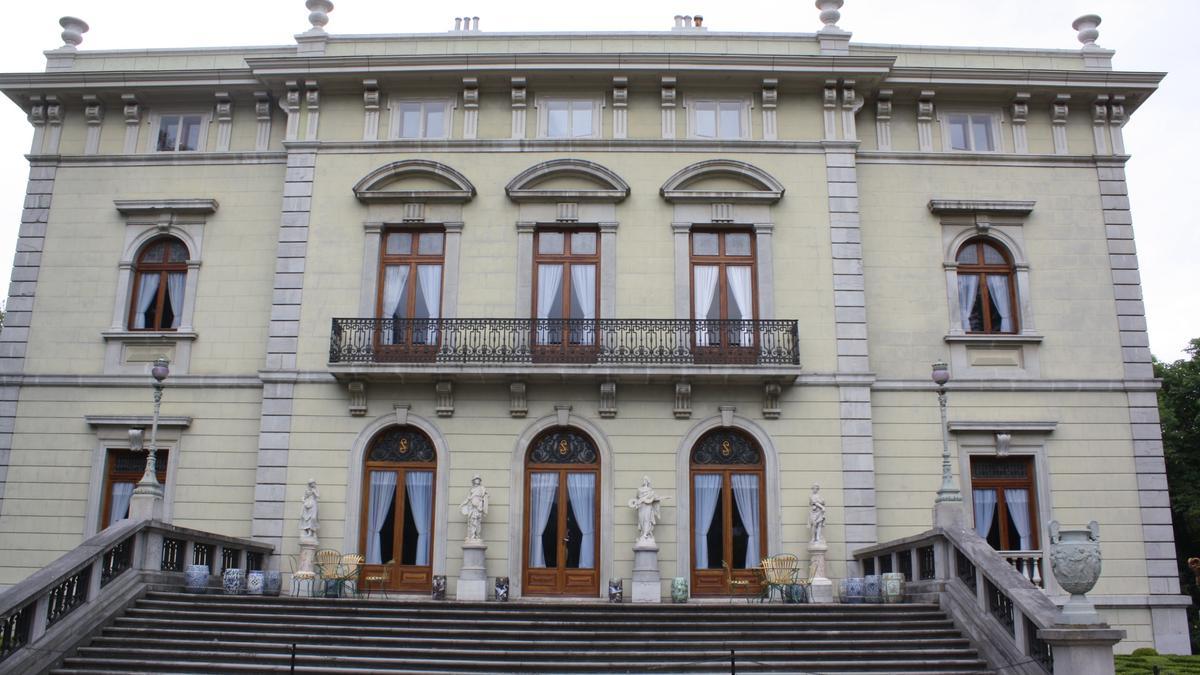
{"points": [[147, 499], [949, 491]]}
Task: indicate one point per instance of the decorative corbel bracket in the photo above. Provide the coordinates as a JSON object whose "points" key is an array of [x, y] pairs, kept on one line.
{"points": [[518, 403], [925, 113], [608, 400], [771, 392], [683, 400], [667, 102], [444, 390], [358, 397]]}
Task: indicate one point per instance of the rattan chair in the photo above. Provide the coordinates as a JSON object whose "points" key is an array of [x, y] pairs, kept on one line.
{"points": [[299, 578], [329, 563], [377, 579], [351, 565], [779, 574]]}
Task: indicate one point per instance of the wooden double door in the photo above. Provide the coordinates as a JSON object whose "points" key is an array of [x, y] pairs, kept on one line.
{"points": [[562, 505], [728, 513]]}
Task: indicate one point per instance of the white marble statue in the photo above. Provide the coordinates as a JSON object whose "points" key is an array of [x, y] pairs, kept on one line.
{"points": [[816, 516], [475, 507], [308, 513], [648, 511]]}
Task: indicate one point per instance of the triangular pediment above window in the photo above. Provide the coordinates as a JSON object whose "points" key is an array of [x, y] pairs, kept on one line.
{"points": [[574, 180], [414, 180], [722, 180]]}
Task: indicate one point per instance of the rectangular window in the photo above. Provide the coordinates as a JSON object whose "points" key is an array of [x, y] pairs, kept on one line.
{"points": [[123, 469], [179, 133], [566, 268], [723, 289], [720, 118], [421, 119], [570, 118], [971, 132], [1002, 490], [410, 292]]}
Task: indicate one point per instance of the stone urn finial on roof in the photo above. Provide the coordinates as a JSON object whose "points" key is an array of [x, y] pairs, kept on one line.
{"points": [[318, 14], [73, 30], [830, 14], [1086, 25]]}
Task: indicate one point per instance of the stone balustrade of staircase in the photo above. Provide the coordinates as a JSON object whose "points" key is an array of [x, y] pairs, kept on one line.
{"points": [[45, 616], [1012, 621]]}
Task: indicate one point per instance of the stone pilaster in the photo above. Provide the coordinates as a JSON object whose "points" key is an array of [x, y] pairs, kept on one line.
{"points": [[274, 439], [850, 323], [1149, 463], [21, 291]]}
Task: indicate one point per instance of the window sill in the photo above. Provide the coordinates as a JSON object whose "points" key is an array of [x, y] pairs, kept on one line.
{"points": [[129, 352], [148, 335], [994, 338]]}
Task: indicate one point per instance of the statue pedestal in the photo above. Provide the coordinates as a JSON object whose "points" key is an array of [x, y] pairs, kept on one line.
{"points": [[647, 581], [308, 555], [820, 589], [472, 580], [146, 503]]}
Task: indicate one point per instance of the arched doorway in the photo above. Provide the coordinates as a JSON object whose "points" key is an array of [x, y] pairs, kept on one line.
{"points": [[562, 497], [728, 514], [396, 530]]}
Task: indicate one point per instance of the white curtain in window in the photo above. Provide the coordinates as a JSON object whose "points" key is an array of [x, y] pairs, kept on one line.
{"points": [[745, 493], [419, 486], [118, 504], [394, 279], [740, 289], [985, 511], [543, 489], [175, 284], [581, 489], [708, 489], [583, 292], [998, 292], [147, 292], [968, 286], [549, 283], [704, 286], [430, 278], [1017, 501], [383, 490]]}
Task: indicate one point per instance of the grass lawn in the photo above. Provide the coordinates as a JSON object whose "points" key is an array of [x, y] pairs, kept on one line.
{"points": [[1167, 665]]}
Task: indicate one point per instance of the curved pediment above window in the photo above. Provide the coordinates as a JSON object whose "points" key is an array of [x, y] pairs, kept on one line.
{"points": [[414, 180], [567, 180], [722, 180]]}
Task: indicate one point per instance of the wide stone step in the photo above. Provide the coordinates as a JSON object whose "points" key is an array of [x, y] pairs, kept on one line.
{"points": [[671, 652], [249, 662], [770, 622], [479, 630], [117, 637]]}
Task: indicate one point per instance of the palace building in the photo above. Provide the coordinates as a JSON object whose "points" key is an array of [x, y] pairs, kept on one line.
{"points": [[565, 261]]}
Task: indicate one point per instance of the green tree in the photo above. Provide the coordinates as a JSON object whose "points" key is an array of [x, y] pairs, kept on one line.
{"points": [[1179, 411]]}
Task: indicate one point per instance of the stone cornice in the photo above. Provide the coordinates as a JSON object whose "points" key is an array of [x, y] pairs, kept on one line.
{"points": [[997, 206], [142, 207], [865, 68], [145, 82], [955, 426], [135, 421]]}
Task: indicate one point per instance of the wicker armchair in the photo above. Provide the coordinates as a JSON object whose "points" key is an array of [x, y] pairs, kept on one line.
{"points": [[351, 564], [779, 574], [375, 579], [329, 563]]}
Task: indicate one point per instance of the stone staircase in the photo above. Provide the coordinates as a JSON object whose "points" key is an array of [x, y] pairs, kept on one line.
{"points": [[178, 633]]}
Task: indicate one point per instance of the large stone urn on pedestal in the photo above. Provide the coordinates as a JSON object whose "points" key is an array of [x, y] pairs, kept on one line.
{"points": [[1075, 559]]}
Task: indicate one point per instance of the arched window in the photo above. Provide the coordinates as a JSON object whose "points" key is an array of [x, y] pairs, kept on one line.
{"points": [[562, 497], [728, 511], [397, 515], [160, 276], [987, 297]]}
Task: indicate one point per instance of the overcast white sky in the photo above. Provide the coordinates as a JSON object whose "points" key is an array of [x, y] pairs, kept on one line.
{"points": [[1162, 135]]}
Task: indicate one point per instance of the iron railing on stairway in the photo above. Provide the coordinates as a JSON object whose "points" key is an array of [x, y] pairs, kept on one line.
{"points": [[47, 614], [563, 341]]}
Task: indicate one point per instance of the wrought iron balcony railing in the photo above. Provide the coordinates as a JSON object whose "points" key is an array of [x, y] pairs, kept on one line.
{"points": [[557, 341]]}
